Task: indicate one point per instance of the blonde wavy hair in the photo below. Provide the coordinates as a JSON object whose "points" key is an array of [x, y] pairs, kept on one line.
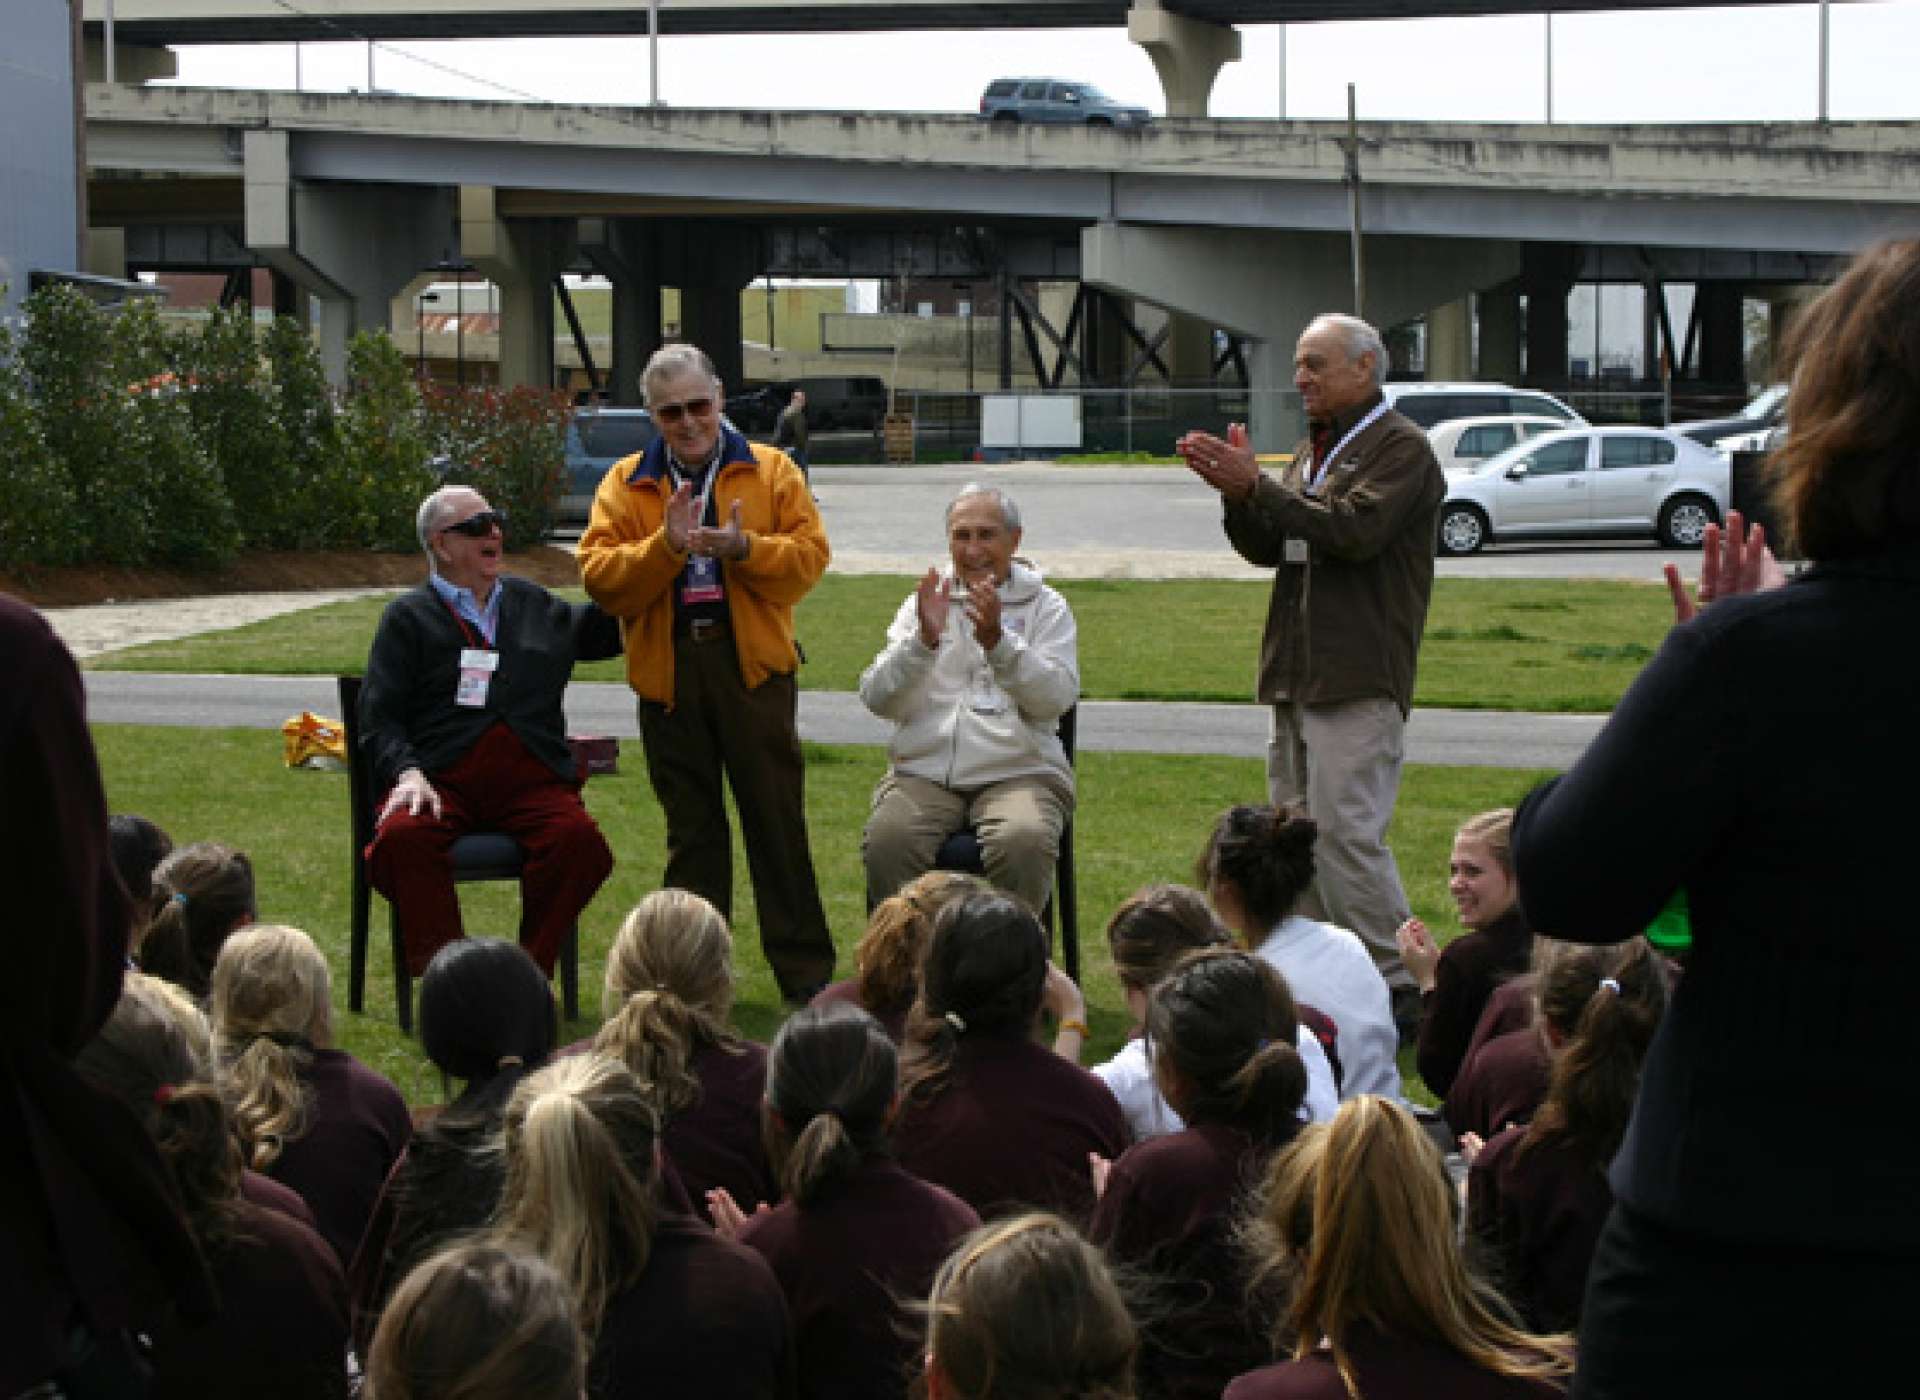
{"points": [[580, 1140], [669, 991], [272, 1007], [1366, 1216], [890, 952]]}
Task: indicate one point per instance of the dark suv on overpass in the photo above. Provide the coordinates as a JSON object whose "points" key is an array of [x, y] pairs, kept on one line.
{"points": [[1010, 100]]}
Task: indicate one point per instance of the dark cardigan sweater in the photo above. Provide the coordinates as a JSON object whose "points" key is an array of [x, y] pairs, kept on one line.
{"points": [[407, 715], [1471, 967]]}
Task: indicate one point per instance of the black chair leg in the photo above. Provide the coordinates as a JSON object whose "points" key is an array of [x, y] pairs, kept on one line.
{"points": [[402, 980], [357, 938], [570, 974], [1066, 896]]}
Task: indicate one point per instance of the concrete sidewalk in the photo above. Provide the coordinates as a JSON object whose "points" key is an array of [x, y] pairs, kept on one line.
{"points": [[1461, 738]]}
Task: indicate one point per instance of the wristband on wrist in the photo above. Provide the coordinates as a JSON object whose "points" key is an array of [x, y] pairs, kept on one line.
{"points": [[1074, 1023]]}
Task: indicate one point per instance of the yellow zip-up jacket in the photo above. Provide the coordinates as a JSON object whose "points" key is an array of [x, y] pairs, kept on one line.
{"points": [[630, 570]]}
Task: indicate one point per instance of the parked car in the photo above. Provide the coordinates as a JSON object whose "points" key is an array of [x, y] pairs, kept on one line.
{"points": [[596, 439], [1588, 481], [1052, 100], [1466, 442], [1429, 404], [1766, 411]]}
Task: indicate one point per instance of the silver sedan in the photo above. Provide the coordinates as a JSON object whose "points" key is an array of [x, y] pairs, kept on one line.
{"points": [[1588, 481]]}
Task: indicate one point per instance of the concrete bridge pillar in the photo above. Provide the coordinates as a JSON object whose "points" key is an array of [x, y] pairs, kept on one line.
{"points": [[1267, 284], [351, 248], [623, 251], [1450, 340], [1187, 53], [1722, 349], [521, 257], [710, 263], [1499, 334], [1551, 270]]}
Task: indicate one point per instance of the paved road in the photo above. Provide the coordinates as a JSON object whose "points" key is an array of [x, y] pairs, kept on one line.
{"points": [[1463, 738]]}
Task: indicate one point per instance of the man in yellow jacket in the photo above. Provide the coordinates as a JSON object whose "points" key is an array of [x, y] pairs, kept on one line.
{"points": [[701, 546]]}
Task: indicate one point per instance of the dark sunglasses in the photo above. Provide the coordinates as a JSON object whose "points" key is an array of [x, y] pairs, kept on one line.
{"points": [[478, 527], [674, 412]]}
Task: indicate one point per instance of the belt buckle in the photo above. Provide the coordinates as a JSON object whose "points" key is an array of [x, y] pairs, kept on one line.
{"points": [[703, 629]]}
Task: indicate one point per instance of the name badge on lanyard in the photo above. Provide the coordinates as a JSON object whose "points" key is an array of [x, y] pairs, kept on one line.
{"points": [[701, 581], [476, 676]]}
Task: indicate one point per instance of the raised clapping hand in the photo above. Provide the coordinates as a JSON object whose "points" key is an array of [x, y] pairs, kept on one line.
{"points": [[679, 522], [934, 599], [728, 1219], [1227, 465], [1418, 951], [727, 541], [411, 792], [1733, 561], [983, 610], [1100, 1169]]}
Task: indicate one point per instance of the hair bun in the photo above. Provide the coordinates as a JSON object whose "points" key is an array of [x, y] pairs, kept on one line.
{"points": [[1292, 829]]}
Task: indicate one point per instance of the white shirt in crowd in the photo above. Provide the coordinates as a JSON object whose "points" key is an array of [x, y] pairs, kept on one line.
{"points": [[1130, 1075], [1329, 969]]}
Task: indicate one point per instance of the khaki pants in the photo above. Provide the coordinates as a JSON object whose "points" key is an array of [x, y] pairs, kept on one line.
{"points": [[1019, 823], [1343, 762]]}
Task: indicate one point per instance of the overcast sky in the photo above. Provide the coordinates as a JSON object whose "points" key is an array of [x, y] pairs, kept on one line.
{"points": [[1729, 64]]}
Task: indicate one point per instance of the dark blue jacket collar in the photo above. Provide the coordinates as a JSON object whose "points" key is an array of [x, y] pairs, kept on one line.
{"points": [[653, 462]]}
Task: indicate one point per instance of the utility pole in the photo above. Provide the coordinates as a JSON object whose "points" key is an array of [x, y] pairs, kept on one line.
{"points": [[653, 53], [1823, 62], [1353, 201], [1283, 72]]}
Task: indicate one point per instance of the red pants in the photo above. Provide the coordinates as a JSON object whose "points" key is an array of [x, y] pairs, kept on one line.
{"points": [[496, 786]]}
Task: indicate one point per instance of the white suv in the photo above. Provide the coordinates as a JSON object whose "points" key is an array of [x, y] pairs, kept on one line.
{"points": [[1428, 404]]}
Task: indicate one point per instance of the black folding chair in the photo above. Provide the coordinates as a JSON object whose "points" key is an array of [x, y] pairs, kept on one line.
{"points": [[479, 855], [961, 851]]}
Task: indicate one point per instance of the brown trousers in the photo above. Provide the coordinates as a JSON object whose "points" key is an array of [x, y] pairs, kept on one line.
{"points": [[716, 724]]}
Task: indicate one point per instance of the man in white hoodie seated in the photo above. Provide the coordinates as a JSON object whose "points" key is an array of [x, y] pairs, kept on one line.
{"points": [[979, 665]]}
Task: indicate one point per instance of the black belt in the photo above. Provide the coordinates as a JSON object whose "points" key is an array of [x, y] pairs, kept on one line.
{"points": [[702, 629]]}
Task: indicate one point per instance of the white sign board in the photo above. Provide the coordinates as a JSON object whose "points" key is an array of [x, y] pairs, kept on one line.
{"points": [[1023, 422]]}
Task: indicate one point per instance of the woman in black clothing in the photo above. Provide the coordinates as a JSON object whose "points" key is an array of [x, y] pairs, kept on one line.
{"points": [[1764, 762], [486, 1019]]}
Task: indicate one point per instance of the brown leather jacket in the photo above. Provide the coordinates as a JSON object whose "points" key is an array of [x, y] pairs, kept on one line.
{"points": [[1346, 623]]}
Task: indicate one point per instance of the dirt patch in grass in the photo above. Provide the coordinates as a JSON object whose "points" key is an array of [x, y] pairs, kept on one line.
{"points": [[292, 572]]}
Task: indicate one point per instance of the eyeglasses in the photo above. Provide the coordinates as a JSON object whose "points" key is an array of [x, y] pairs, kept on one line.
{"points": [[478, 527], [674, 412]]}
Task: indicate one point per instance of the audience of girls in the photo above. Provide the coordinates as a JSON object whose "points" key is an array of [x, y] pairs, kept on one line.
{"points": [[1152, 930], [1456, 984], [281, 1326], [1537, 1196], [855, 1233], [200, 895], [1360, 1216], [1224, 1032], [987, 1112], [669, 997], [668, 1306], [1257, 866], [487, 1020], [308, 1115], [479, 1322]]}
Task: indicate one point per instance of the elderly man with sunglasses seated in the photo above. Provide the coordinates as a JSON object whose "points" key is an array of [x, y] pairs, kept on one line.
{"points": [[461, 718], [702, 545]]}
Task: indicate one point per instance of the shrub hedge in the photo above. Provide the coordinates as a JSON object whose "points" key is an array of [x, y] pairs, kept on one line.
{"points": [[126, 441]]}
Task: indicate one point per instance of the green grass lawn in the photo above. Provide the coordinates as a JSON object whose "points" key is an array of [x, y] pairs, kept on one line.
{"points": [[1141, 818], [1498, 644]]}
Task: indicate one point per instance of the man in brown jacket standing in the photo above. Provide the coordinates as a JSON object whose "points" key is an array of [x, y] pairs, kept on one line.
{"points": [[1348, 529]]}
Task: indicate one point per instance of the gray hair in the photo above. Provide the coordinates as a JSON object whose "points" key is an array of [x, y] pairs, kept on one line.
{"points": [[673, 361], [1009, 512], [432, 511], [1360, 339]]}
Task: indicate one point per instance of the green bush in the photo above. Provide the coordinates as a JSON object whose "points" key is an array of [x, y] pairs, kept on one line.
{"points": [[193, 524], [39, 518], [508, 444], [386, 448], [316, 507], [235, 408], [86, 418]]}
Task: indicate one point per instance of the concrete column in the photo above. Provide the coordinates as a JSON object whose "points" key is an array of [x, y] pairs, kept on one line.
{"points": [[1188, 350], [351, 248], [1722, 350], [710, 318], [521, 257], [1551, 269], [1450, 340], [623, 251], [1187, 53], [1500, 334], [1267, 284]]}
